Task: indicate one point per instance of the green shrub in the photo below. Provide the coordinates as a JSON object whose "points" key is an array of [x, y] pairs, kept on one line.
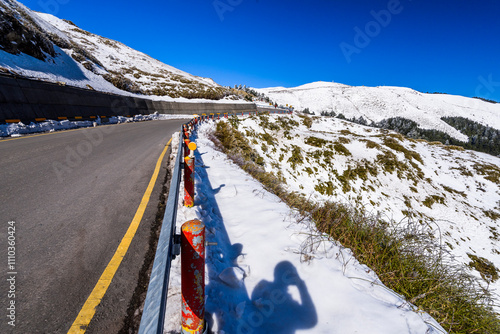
{"points": [[395, 145], [296, 158], [307, 121], [486, 269], [430, 200], [268, 138], [341, 149], [120, 82], [314, 141]]}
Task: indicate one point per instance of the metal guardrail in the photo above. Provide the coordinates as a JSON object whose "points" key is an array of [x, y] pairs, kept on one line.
{"points": [[153, 315]]}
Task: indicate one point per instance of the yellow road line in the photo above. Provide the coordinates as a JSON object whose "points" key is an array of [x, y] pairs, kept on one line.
{"points": [[89, 308]]}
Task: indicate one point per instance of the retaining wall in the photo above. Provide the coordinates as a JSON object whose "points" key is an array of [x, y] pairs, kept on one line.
{"points": [[28, 100]]}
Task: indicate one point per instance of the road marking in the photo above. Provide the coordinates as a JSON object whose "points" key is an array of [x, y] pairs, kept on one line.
{"points": [[88, 310]]}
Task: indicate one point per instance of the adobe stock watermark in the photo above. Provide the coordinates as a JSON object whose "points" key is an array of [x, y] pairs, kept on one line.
{"points": [[363, 37], [52, 6], [486, 87], [223, 6], [11, 274]]}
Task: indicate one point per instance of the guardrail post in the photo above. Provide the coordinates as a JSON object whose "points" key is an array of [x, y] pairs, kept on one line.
{"points": [[193, 277], [186, 140], [189, 176], [186, 148]]}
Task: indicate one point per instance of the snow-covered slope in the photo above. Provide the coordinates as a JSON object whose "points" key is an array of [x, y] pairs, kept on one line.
{"points": [[46, 47], [379, 103], [396, 178], [256, 278]]}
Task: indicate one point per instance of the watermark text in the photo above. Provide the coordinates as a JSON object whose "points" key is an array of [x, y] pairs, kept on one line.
{"points": [[363, 37], [11, 273], [223, 6]]}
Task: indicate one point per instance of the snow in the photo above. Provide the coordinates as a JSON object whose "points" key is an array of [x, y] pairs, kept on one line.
{"points": [[378, 103], [461, 222], [261, 279], [58, 69], [18, 129]]}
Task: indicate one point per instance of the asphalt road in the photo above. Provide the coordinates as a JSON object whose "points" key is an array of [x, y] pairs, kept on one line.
{"points": [[72, 195]]}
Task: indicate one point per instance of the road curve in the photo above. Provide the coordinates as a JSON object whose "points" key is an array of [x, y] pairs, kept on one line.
{"points": [[72, 196]]}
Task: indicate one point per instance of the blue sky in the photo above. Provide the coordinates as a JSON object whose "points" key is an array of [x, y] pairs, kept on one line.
{"points": [[431, 46]]}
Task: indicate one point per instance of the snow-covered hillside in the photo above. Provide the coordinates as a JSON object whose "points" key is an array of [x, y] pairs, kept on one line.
{"points": [[378, 103], [393, 177], [43, 46], [256, 279]]}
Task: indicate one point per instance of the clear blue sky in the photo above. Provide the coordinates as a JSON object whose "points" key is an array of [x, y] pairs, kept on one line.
{"points": [[450, 46]]}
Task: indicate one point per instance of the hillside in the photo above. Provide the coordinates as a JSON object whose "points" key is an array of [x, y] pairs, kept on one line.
{"points": [[452, 191], [376, 104], [260, 278], [45, 47]]}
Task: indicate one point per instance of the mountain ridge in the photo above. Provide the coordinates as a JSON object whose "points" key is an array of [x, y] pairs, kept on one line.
{"points": [[376, 104], [45, 47]]}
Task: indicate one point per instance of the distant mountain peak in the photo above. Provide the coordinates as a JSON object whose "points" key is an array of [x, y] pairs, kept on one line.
{"points": [[376, 104]]}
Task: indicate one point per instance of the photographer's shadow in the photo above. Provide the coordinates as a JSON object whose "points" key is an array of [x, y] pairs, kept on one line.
{"points": [[273, 309]]}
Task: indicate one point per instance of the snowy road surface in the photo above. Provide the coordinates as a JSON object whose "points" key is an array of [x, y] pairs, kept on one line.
{"points": [[72, 196]]}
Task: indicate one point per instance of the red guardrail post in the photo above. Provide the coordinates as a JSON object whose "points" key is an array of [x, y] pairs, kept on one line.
{"points": [[193, 277], [189, 176], [186, 148], [186, 140]]}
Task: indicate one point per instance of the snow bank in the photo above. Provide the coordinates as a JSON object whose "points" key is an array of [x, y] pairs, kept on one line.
{"points": [[454, 190], [17, 129], [257, 279]]}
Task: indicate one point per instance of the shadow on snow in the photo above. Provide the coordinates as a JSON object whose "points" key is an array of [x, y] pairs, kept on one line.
{"points": [[271, 308]]}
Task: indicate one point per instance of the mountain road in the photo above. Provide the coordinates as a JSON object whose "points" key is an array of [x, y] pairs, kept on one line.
{"points": [[66, 201]]}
